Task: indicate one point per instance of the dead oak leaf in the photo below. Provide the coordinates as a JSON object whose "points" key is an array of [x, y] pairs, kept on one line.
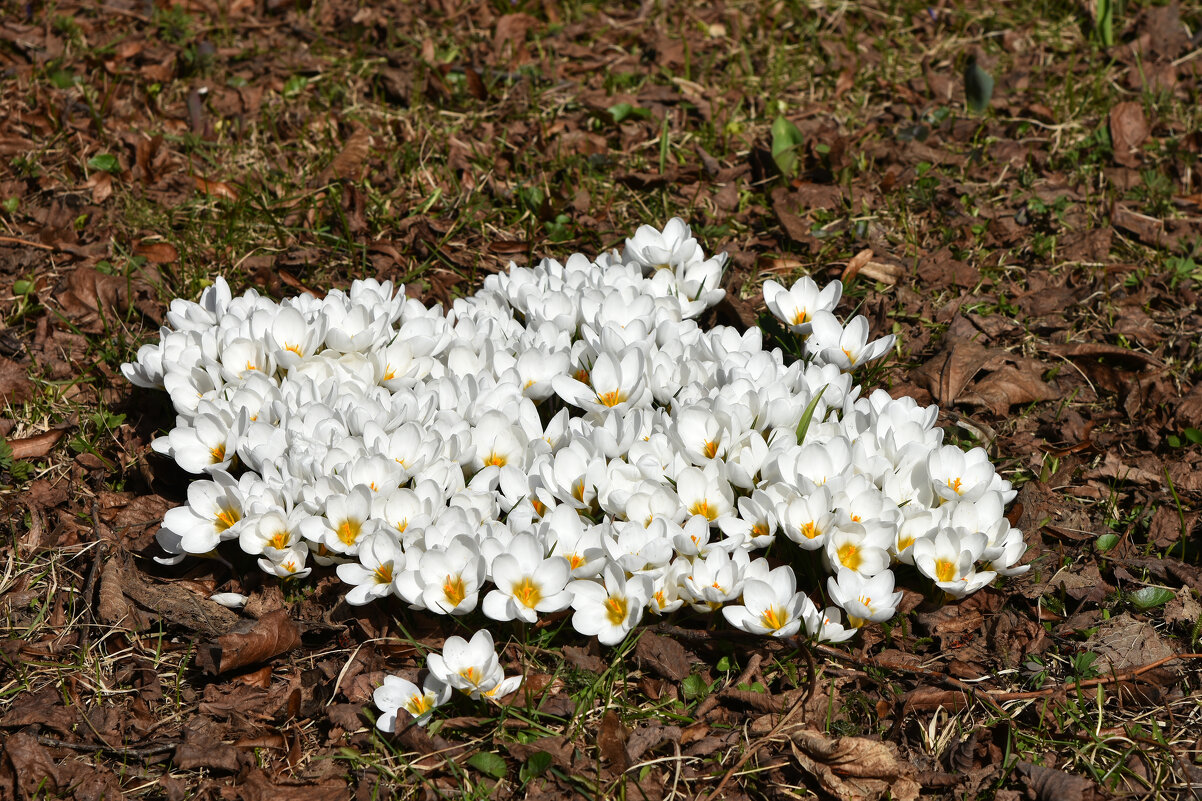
{"points": [[854, 768], [271, 635], [1050, 784], [1128, 130], [1009, 386]]}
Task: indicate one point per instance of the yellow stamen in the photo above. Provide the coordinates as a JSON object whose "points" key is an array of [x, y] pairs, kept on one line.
{"points": [[904, 542], [226, 519], [279, 540], [294, 348], [945, 570], [218, 453], [401, 526], [389, 373], [611, 399], [290, 566], [615, 610], [383, 573], [419, 705], [849, 555], [954, 485], [348, 531], [761, 530], [527, 592], [469, 673], [540, 508], [800, 316], [495, 459], [702, 507], [774, 617], [578, 489], [810, 530], [581, 375], [711, 449], [575, 560], [453, 589]]}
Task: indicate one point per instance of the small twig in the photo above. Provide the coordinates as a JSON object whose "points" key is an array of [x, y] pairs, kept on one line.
{"points": [[135, 753], [1082, 685], [12, 240]]}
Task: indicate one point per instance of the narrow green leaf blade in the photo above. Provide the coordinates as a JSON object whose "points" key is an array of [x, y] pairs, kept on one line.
{"points": [[803, 425], [786, 140]]}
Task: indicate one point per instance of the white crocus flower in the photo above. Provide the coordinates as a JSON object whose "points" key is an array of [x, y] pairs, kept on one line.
{"points": [[527, 582], [214, 512], [704, 492], [446, 580], [396, 694], [864, 599], [616, 382], [959, 476], [609, 609], [668, 249], [796, 307], [207, 445], [772, 606], [808, 520], [288, 563], [346, 520], [948, 558], [715, 580], [860, 547], [380, 560], [468, 665]]}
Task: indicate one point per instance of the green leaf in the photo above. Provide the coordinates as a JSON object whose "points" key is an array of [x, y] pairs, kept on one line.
{"points": [[803, 425], [1104, 24], [786, 139], [1173, 440], [536, 765], [1193, 435], [11, 204], [1107, 541], [106, 162], [694, 687], [23, 287], [978, 86], [489, 764], [621, 111], [1150, 597]]}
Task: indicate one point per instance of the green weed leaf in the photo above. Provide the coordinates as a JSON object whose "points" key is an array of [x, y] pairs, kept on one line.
{"points": [[536, 765], [1150, 597], [786, 140], [1107, 541], [803, 425], [106, 162], [489, 764], [978, 86], [621, 111]]}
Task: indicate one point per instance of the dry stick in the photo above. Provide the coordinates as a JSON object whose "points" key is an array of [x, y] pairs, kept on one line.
{"points": [[811, 677], [1081, 685], [135, 753], [954, 682], [12, 240]]}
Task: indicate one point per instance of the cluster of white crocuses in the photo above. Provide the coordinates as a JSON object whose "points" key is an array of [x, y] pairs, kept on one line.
{"points": [[569, 437]]}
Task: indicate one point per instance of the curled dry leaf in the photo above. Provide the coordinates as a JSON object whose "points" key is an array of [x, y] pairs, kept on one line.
{"points": [[37, 446], [611, 741], [1049, 784], [216, 188], [269, 636], [663, 655], [854, 768], [1128, 130], [1009, 386]]}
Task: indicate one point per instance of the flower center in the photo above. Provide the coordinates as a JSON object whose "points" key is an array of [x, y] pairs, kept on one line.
{"points": [[774, 617], [611, 399], [469, 673], [849, 555], [527, 592], [495, 459], [760, 530], [226, 518], [419, 705], [945, 570], [581, 375], [711, 449], [575, 560], [279, 540], [800, 315], [453, 589], [702, 507], [348, 531], [383, 573], [616, 610], [953, 484], [294, 348], [809, 530], [540, 508], [218, 453]]}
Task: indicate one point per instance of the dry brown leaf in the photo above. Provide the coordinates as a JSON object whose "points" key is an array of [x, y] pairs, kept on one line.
{"points": [[37, 446], [1009, 386], [664, 655], [346, 165], [854, 768], [1128, 130], [1049, 784], [1123, 642], [157, 252], [855, 264], [15, 386], [269, 636], [611, 741], [216, 188], [880, 271], [949, 372]]}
